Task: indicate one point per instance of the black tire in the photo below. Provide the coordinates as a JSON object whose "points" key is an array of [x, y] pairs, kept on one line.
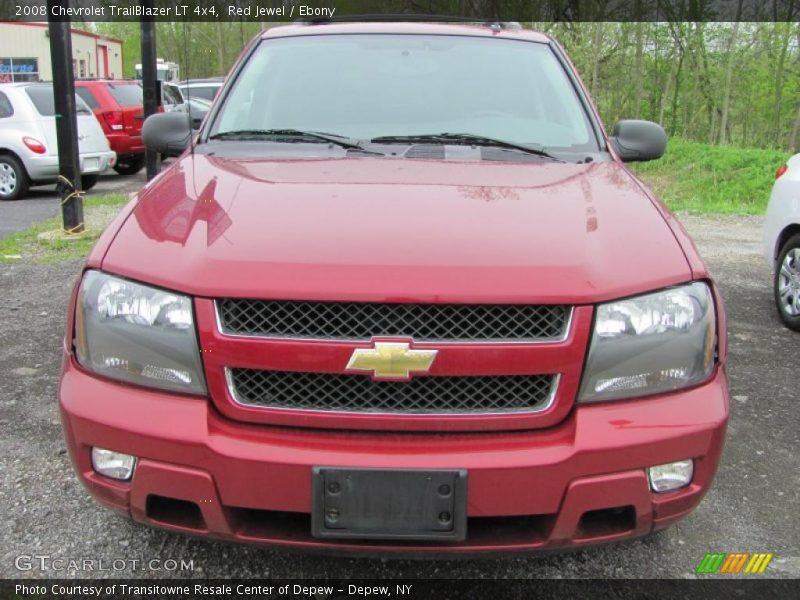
{"points": [[787, 280], [88, 182], [129, 165], [13, 178]]}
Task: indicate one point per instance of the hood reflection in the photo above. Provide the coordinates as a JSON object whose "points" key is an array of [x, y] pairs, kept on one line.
{"points": [[171, 213]]}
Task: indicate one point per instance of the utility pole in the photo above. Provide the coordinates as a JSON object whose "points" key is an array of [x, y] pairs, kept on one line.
{"points": [[66, 119], [149, 81]]}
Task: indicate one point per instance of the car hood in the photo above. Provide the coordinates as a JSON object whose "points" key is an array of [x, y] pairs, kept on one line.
{"points": [[386, 229]]}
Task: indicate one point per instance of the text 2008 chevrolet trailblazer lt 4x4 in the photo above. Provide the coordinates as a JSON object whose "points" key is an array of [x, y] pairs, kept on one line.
{"points": [[402, 296]]}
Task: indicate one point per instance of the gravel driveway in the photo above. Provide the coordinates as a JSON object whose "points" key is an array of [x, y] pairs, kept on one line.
{"points": [[752, 507]]}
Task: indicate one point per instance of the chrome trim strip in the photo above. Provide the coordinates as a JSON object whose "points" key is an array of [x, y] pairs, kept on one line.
{"points": [[522, 341], [554, 384]]}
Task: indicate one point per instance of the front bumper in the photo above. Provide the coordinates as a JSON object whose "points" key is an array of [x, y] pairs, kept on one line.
{"points": [[580, 482], [45, 168]]}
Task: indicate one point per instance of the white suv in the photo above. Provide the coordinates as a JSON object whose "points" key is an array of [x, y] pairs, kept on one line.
{"points": [[28, 146], [782, 241]]}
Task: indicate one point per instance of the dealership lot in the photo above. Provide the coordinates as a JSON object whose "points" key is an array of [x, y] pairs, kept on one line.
{"points": [[752, 506], [42, 203]]}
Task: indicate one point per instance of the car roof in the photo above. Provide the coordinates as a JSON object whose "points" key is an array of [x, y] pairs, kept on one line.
{"points": [[22, 84], [114, 81], [477, 29]]}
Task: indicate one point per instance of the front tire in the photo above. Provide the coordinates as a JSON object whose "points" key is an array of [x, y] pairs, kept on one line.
{"points": [[13, 178], [786, 284], [129, 165]]}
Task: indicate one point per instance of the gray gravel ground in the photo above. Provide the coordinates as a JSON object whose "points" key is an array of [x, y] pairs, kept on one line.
{"points": [[753, 505]]}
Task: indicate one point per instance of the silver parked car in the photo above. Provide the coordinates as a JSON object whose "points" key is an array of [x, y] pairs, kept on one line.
{"points": [[207, 89], [782, 241], [172, 97], [28, 147]]}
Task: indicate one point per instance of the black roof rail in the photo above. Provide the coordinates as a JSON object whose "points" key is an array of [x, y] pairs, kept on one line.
{"points": [[411, 18]]}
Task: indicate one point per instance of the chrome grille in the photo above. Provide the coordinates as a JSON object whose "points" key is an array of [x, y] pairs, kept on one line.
{"points": [[420, 395], [423, 322]]}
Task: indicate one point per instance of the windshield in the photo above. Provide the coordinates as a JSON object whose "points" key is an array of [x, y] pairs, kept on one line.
{"points": [[369, 86]]}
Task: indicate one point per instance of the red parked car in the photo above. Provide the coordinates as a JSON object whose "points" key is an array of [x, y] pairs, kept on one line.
{"points": [[119, 106], [402, 296]]}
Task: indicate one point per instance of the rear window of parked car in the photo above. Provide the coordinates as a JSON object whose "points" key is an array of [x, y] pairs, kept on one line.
{"points": [[205, 92], [171, 95], [88, 97], [44, 101], [127, 94], [6, 110]]}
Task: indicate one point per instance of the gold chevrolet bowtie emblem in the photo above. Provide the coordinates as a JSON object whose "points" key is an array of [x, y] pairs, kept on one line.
{"points": [[391, 360]]}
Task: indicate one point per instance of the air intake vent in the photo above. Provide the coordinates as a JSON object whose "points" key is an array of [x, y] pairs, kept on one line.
{"points": [[426, 151], [495, 153], [424, 322], [420, 395]]}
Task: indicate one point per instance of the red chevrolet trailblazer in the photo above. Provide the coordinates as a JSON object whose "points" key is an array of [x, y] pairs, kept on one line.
{"points": [[401, 295]]}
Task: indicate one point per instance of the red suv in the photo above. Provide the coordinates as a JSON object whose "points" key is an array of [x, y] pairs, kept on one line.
{"points": [[403, 295], [118, 105]]}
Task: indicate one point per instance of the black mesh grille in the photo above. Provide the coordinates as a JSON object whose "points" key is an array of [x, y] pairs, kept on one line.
{"points": [[362, 321], [356, 393]]}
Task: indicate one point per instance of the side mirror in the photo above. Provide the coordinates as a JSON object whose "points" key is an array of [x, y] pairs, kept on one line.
{"points": [[167, 133], [639, 140]]}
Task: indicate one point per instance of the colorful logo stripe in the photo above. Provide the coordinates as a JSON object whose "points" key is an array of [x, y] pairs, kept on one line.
{"points": [[736, 562]]}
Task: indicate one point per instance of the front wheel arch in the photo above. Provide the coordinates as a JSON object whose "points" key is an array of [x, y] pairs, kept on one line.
{"points": [[7, 152], [26, 182], [783, 237], [789, 315]]}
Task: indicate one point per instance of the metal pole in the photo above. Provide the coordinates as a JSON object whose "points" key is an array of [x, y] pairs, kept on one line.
{"points": [[149, 83], [66, 119]]}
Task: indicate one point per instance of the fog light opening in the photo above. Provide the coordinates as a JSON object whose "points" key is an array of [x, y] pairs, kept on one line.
{"points": [[606, 521], [114, 465], [671, 476], [175, 512]]}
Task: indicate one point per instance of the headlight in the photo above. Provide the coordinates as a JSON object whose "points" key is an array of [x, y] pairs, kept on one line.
{"points": [[137, 334], [650, 344]]}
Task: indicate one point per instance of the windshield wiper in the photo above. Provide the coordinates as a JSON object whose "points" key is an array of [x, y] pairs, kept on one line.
{"points": [[295, 134], [465, 138]]}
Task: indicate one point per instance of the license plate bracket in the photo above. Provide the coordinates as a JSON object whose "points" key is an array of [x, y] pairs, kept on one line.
{"points": [[389, 504]]}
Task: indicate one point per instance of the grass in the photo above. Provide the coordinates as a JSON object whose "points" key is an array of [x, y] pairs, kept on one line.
{"points": [[26, 246], [706, 179]]}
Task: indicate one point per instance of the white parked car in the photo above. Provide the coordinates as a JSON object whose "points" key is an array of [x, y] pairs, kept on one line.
{"points": [[28, 146], [782, 241]]}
